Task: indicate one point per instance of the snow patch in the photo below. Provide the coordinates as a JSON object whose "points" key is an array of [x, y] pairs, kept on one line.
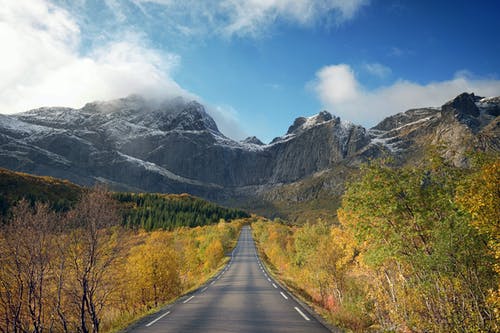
{"points": [[158, 169]]}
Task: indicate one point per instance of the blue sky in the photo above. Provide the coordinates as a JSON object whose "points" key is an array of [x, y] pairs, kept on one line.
{"points": [[256, 64]]}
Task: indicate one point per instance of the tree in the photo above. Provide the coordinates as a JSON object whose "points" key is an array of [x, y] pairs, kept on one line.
{"points": [[432, 267], [153, 268], [479, 195], [213, 254], [92, 250], [26, 245]]}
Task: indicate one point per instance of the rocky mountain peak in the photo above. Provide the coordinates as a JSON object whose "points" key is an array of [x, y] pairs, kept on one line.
{"points": [[464, 108], [191, 117], [323, 116], [253, 140], [303, 123], [463, 104]]}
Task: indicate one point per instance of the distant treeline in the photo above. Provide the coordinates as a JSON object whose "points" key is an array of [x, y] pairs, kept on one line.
{"points": [[145, 210], [168, 211]]}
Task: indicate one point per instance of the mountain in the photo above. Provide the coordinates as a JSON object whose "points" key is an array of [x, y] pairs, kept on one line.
{"points": [[133, 144]]}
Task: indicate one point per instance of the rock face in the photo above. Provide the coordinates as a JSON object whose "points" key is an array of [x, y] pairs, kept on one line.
{"points": [[175, 146]]}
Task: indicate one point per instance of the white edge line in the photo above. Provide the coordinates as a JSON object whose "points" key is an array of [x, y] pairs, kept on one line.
{"points": [[302, 314], [190, 298], [275, 286], [284, 296], [204, 289], [154, 321]]}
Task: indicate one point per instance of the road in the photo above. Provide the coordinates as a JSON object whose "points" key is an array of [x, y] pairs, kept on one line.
{"points": [[241, 298]]}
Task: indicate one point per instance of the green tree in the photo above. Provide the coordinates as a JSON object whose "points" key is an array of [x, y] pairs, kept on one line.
{"points": [[434, 269]]}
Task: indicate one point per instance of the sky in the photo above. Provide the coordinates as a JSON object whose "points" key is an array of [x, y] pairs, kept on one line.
{"points": [[255, 64]]}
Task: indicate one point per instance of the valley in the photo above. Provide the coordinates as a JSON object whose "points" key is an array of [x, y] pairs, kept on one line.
{"points": [[347, 204], [249, 166]]}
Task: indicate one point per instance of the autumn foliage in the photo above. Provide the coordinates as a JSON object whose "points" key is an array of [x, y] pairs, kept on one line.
{"points": [[82, 271], [417, 250]]}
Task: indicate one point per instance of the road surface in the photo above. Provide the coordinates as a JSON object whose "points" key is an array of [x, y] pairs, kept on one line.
{"points": [[241, 298]]}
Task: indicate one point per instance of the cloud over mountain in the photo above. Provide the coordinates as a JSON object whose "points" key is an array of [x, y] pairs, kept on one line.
{"points": [[339, 90], [41, 61]]}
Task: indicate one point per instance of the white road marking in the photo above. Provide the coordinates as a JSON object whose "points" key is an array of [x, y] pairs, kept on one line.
{"points": [[154, 321], [204, 289], [284, 296], [212, 282], [268, 279], [190, 298], [302, 314], [275, 286]]}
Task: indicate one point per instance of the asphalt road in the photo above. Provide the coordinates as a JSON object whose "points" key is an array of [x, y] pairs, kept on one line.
{"points": [[242, 298]]}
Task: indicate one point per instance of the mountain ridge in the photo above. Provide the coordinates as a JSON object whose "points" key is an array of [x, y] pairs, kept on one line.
{"points": [[176, 147]]}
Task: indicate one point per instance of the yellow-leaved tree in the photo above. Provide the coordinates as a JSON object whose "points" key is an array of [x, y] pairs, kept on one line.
{"points": [[213, 254], [153, 268], [480, 196]]}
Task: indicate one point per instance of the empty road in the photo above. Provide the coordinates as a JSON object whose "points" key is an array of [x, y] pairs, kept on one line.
{"points": [[242, 298]]}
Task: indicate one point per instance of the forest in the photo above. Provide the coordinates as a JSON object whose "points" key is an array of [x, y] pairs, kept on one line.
{"points": [[416, 250], [81, 270], [150, 211]]}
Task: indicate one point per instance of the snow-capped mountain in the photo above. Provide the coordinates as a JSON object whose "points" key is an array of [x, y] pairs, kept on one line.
{"points": [[175, 146]]}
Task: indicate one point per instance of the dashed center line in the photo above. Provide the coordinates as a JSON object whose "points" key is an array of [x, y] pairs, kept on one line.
{"points": [[190, 298], [302, 314], [154, 321]]}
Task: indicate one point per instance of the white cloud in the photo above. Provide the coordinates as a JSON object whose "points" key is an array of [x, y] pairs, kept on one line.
{"points": [[341, 93], [255, 17], [40, 63], [377, 69], [336, 84]]}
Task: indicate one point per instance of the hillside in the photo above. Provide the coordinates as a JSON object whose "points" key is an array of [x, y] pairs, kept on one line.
{"points": [[14, 186], [146, 210]]}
